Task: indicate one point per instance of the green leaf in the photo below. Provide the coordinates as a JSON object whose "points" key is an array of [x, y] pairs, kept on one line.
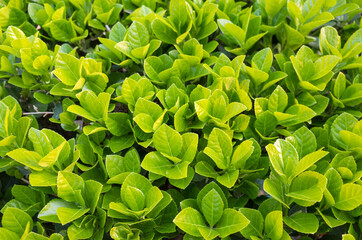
{"points": [[67, 69], [265, 123], [7, 234], [134, 198], [349, 197], [229, 178], [35, 236], [182, 183], [164, 31], [219, 148], [242, 153], [205, 190], [43, 179], [190, 220], [212, 207], [16, 220], [155, 162], [145, 122], [274, 225], [303, 222], [294, 38], [167, 141], [80, 233], [40, 141], [49, 212], [256, 225], [137, 181], [306, 141], [278, 100], [147, 107], [324, 65], [232, 31], [27, 158], [308, 160], [345, 121], [67, 215], [275, 159], [92, 194], [231, 222], [263, 60], [24, 194], [62, 30], [52, 157], [301, 114], [68, 184], [117, 123], [308, 188]]}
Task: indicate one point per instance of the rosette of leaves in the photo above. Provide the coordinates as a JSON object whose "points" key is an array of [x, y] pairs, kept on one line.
{"points": [[160, 69], [134, 88], [229, 9], [119, 167], [225, 74], [232, 163], [148, 116], [95, 109], [25, 198], [36, 59], [92, 107], [65, 21], [175, 152], [267, 222], [330, 43], [107, 11], [208, 216], [188, 66], [307, 16], [177, 26], [77, 197], [273, 15], [274, 110], [46, 153], [95, 14], [13, 14], [239, 37], [344, 94], [23, 227], [173, 98], [143, 206], [63, 28], [137, 43], [204, 24], [165, 70], [289, 181], [216, 109], [13, 129], [345, 134], [76, 75], [260, 74], [343, 194], [107, 47], [313, 72]]}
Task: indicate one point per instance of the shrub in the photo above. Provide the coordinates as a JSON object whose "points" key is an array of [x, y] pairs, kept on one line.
{"points": [[181, 119]]}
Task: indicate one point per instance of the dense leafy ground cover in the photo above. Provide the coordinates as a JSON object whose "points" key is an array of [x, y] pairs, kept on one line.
{"points": [[145, 119]]}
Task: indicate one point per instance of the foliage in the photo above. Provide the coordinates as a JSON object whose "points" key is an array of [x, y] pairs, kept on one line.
{"points": [[145, 119]]}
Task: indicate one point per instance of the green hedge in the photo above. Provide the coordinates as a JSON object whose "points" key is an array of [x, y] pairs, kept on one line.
{"points": [[181, 119]]}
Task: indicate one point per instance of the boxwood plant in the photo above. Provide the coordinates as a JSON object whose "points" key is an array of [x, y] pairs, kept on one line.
{"points": [[180, 119]]}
